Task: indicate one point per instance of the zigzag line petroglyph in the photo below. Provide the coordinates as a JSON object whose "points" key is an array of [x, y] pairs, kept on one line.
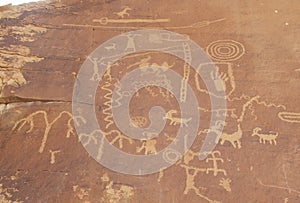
{"points": [[29, 119], [243, 96], [108, 104], [271, 104]]}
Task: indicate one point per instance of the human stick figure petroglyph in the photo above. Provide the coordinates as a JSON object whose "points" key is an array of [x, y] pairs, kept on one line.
{"points": [[96, 75], [215, 160], [191, 173], [175, 120], [149, 146], [130, 47], [29, 119], [271, 138]]}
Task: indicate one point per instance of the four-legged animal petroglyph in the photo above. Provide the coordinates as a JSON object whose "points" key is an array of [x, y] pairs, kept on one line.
{"points": [[233, 138], [124, 12], [175, 120], [271, 138]]}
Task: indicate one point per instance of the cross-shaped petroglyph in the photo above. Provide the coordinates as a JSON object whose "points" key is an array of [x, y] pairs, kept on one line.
{"points": [[215, 160]]}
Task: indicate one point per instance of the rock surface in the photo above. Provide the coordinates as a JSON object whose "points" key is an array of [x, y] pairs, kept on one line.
{"points": [[254, 44]]}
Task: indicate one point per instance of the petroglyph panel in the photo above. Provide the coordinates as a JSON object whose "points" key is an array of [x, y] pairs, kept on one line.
{"points": [[254, 47]]}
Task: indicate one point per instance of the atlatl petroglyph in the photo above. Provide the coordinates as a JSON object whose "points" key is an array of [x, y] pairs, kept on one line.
{"points": [[105, 20]]}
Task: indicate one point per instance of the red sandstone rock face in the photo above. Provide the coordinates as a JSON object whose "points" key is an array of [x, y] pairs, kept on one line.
{"points": [[255, 46]]}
